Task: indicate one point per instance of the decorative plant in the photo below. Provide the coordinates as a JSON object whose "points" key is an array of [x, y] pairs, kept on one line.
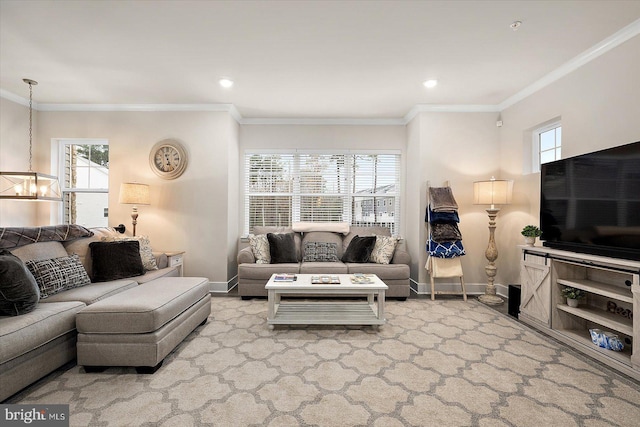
{"points": [[531, 231], [572, 293]]}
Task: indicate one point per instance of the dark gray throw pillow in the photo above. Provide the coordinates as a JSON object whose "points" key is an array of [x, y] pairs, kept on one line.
{"points": [[19, 292], [359, 249], [282, 247], [116, 260]]}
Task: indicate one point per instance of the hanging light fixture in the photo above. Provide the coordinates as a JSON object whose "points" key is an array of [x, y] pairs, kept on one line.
{"points": [[29, 185]]}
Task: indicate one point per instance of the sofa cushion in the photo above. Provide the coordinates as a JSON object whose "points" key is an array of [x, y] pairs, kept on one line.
{"points": [[42, 250], [359, 249], [116, 260], [323, 268], [383, 271], [260, 248], [93, 292], [58, 274], [81, 246], [143, 309], [282, 248], [19, 293], [264, 271], [320, 252], [21, 334], [383, 250], [364, 231], [146, 254]]}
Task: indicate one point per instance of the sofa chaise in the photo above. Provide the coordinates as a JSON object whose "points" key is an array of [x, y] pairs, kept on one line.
{"points": [[36, 343]]}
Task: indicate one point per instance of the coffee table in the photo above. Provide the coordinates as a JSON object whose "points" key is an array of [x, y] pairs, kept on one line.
{"points": [[318, 311]]}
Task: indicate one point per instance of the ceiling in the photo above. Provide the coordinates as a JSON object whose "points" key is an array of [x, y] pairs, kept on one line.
{"points": [[296, 59]]}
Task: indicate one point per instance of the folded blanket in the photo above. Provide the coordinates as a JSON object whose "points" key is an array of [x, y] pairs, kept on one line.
{"points": [[432, 217], [12, 237], [334, 227], [445, 249], [445, 232], [442, 199], [444, 267]]}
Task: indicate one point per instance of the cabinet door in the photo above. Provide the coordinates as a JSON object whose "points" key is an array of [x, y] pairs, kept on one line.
{"points": [[535, 301]]}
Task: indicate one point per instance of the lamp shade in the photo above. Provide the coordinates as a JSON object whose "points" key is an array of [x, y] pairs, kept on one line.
{"points": [[492, 192], [134, 194]]}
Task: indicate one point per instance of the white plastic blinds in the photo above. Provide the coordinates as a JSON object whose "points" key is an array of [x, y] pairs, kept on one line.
{"points": [[359, 188]]}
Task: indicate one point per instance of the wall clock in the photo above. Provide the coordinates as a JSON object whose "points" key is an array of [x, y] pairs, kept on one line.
{"points": [[168, 159]]}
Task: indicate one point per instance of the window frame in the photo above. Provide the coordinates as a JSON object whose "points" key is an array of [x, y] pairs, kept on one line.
{"points": [[62, 143], [537, 147], [351, 198]]}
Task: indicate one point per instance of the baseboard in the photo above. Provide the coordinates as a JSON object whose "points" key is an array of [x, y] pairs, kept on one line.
{"points": [[454, 286], [223, 287]]}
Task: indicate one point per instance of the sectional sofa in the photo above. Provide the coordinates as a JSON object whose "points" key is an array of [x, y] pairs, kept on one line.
{"points": [[36, 343], [253, 276]]}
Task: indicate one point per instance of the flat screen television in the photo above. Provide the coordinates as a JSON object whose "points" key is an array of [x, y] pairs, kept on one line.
{"points": [[591, 203]]}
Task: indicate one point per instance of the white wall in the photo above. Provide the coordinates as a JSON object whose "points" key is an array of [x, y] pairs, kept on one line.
{"points": [[459, 148], [191, 213], [599, 105]]}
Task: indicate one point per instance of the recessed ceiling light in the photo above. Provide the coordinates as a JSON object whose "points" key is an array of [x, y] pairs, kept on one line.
{"points": [[225, 82], [515, 25], [430, 83]]}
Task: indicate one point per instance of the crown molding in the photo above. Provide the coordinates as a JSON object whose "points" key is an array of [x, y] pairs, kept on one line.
{"points": [[322, 122], [10, 96], [453, 108], [573, 64]]}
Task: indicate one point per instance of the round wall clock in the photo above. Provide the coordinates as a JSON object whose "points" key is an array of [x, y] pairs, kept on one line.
{"points": [[168, 159]]}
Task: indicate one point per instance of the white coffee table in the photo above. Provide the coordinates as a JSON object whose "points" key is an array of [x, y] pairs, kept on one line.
{"points": [[320, 311]]}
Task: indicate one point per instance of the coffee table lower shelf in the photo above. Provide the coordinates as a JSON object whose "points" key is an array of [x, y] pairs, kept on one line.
{"points": [[325, 313]]}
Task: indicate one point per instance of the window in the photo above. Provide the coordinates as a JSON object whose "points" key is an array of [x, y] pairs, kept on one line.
{"points": [[282, 188], [85, 182], [549, 143]]}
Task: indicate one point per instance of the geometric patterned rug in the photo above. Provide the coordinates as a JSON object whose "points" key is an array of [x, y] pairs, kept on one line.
{"points": [[435, 363]]}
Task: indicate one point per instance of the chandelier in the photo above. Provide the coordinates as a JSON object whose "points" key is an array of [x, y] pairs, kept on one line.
{"points": [[29, 185]]}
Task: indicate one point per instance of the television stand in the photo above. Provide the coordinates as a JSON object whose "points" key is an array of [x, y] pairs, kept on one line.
{"points": [[612, 295]]}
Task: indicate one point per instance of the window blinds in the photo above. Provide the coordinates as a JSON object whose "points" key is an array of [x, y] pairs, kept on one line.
{"points": [[359, 188]]}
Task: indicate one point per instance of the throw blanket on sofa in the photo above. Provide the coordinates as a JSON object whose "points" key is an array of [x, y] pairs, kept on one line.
{"points": [[13, 237]]}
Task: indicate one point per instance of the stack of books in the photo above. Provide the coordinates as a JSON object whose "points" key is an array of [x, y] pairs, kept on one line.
{"points": [[325, 280], [285, 277]]}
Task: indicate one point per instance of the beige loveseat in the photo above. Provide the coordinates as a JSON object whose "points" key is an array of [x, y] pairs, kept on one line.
{"points": [[252, 277], [36, 343]]}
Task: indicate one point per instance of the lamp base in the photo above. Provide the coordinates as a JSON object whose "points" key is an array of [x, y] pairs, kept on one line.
{"points": [[490, 299]]}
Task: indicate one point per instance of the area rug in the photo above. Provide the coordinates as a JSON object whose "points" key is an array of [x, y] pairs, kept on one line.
{"points": [[436, 363]]}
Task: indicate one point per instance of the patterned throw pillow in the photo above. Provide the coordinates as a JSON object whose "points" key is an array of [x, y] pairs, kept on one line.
{"points": [[260, 248], [320, 252], [58, 274], [384, 249], [146, 253]]}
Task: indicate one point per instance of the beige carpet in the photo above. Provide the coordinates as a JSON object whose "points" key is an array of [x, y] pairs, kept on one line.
{"points": [[436, 363]]}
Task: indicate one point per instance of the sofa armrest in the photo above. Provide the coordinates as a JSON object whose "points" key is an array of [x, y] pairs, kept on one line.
{"points": [[401, 256], [161, 259], [245, 256]]}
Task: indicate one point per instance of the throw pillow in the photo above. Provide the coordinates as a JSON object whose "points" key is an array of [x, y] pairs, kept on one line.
{"points": [[282, 248], [146, 253], [116, 260], [19, 292], [359, 249], [320, 252], [58, 274], [260, 248], [383, 250]]}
